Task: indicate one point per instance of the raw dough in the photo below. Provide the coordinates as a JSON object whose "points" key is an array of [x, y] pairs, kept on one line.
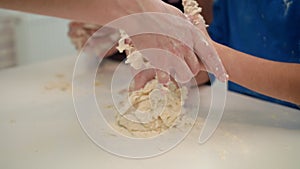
{"points": [[134, 57], [155, 108], [192, 11]]}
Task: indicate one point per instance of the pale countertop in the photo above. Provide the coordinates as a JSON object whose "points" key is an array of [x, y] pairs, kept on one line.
{"points": [[39, 129]]}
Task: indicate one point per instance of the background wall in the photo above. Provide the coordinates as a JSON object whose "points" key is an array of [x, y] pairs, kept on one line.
{"points": [[34, 38]]}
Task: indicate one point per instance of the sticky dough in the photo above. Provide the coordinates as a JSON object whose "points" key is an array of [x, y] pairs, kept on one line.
{"points": [[155, 108]]}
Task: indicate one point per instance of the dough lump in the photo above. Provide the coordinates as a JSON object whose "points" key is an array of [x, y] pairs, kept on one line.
{"points": [[154, 109]]}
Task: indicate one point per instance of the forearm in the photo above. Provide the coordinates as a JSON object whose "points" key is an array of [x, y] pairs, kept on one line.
{"points": [[91, 11], [275, 79]]}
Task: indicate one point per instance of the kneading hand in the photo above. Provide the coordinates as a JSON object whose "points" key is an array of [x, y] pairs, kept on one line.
{"points": [[194, 48]]}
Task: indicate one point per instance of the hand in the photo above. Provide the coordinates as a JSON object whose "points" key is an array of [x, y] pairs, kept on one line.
{"points": [[203, 57], [80, 32], [191, 51]]}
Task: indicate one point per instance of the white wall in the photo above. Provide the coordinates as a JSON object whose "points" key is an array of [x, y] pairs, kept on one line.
{"points": [[40, 38]]}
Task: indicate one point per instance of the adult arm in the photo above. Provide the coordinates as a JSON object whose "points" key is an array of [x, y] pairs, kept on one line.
{"points": [[90, 11], [103, 11]]}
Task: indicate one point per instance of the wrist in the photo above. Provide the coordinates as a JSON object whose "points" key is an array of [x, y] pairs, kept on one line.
{"points": [[225, 56]]}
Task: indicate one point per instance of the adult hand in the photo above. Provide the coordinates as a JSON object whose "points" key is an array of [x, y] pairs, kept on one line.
{"points": [[196, 49], [80, 33], [196, 45]]}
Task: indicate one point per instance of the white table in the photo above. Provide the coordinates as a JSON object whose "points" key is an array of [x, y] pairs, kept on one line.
{"points": [[39, 129]]}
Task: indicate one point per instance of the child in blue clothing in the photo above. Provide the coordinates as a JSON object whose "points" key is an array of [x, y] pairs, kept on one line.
{"points": [[268, 29]]}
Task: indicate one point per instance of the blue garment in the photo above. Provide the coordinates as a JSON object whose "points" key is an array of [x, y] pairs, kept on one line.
{"points": [[269, 29]]}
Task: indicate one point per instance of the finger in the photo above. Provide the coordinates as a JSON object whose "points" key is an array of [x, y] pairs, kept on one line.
{"points": [[208, 55], [162, 77], [192, 61], [180, 69], [142, 78], [176, 63]]}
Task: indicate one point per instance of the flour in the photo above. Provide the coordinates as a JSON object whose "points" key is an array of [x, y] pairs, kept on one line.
{"points": [[287, 5]]}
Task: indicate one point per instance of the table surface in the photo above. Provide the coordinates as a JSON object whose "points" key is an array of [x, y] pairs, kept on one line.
{"points": [[39, 129]]}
